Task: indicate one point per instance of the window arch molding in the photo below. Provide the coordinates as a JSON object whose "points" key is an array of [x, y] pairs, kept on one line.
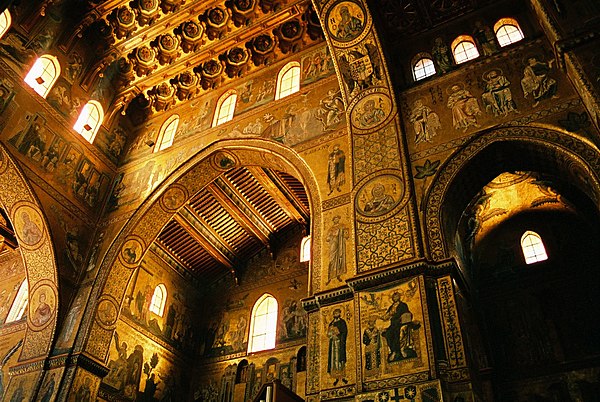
{"points": [[5, 22], [464, 49], [225, 108], [533, 247], [159, 299], [288, 80], [167, 133], [422, 66], [89, 121], [508, 31], [43, 74], [263, 324]]}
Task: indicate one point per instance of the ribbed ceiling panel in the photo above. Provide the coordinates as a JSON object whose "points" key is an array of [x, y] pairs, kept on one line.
{"points": [[234, 217]]}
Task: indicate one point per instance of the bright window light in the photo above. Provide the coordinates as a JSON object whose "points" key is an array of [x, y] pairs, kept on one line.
{"points": [[17, 310], [423, 68], [288, 80], [464, 50], [305, 249], [167, 133], [5, 21], [533, 248], [89, 120], [43, 74], [263, 327], [225, 108], [159, 298], [508, 31]]}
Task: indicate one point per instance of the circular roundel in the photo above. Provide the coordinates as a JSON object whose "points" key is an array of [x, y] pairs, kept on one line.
{"points": [[131, 252], [107, 312], [347, 23], [173, 198], [371, 111], [29, 226], [42, 303], [379, 197], [223, 160]]}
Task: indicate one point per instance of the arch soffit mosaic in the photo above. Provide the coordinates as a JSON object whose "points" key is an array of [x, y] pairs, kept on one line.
{"points": [[578, 156], [130, 245], [33, 234]]}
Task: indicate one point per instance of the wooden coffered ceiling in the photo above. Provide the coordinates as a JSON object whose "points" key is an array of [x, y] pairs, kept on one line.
{"points": [[241, 213]]}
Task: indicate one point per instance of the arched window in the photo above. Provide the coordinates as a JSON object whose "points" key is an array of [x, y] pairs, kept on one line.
{"points": [[464, 49], [288, 80], [305, 249], [167, 133], [533, 247], [17, 310], [89, 120], [43, 74], [264, 324], [5, 21], [225, 108], [423, 68], [159, 298], [508, 31]]}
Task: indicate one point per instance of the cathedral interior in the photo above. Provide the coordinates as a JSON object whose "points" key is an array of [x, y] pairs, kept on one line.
{"points": [[350, 200]]}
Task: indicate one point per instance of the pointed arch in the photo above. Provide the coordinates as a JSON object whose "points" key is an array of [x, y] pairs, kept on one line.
{"points": [[496, 151], [149, 219], [533, 247], [43, 74], [26, 215]]}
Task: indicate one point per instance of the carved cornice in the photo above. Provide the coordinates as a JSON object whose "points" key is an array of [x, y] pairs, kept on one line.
{"points": [[377, 279], [88, 363], [27, 367]]}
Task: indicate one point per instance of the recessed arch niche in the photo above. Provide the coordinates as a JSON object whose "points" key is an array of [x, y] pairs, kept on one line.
{"points": [[130, 246]]}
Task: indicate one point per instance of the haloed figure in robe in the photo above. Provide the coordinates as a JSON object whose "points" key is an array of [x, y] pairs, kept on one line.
{"points": [[337, 332], [464, 108], [336, 168], [537, 82], [425, 122], [372, 341], [336, 237], [398, 334], [497, 97]]}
